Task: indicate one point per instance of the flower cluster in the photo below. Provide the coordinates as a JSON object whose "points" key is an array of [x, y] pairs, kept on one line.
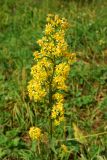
{"points": [[52, 66], [61, 73], [35, 133], [58, 113]]}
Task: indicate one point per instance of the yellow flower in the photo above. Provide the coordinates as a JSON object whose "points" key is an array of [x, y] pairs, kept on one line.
{"points": [[58, 97], [36, 91], [62, 69], [59, 82], [58, 36], [49, 29], [72, 58], [37, 55], [40, 42], [58, 121], [35, 133], [57, 113]]}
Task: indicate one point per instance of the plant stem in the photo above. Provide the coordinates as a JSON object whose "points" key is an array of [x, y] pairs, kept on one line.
{"points": [[50, 106]]}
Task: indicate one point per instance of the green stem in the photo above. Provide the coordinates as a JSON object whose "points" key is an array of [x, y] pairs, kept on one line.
{"points": [[50, 107]]}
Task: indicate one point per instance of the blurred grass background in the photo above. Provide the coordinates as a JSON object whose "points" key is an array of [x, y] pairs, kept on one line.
{"points": [[21, 25]]}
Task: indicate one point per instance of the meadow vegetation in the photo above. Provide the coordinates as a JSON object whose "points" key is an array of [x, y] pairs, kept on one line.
{"points": [[83, 133]]}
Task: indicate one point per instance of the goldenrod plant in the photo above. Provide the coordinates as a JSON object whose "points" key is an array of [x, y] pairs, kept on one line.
{"points": [[81, 133], [50, 72]]}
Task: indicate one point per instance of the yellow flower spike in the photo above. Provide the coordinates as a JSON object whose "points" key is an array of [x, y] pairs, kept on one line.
{"points": [[52, 67]]}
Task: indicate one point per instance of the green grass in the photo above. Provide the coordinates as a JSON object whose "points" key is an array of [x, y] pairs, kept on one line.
{"points": [[22, 24]]}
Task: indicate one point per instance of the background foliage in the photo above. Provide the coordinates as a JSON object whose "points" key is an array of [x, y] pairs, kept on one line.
{"points": [[22, 23]]}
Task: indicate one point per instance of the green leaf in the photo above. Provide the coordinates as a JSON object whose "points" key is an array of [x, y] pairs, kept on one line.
{"points": [[2, 153], [78, 134]]}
